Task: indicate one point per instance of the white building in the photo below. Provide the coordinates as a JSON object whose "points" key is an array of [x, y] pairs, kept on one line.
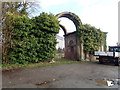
{"points": [[60, 41]]}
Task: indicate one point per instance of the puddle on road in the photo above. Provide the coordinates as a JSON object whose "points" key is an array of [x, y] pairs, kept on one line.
{"points": [[109, 83], [104, 82]]}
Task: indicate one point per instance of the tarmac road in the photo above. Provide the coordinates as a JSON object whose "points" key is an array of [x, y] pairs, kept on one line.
{"points": [[61, 76]]}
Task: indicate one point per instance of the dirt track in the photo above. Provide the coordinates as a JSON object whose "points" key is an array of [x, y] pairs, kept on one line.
{"points": [[62, 76]]}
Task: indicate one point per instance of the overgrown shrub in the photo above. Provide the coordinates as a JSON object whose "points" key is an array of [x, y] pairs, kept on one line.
{"points": [[92, 38], [33, 40]]}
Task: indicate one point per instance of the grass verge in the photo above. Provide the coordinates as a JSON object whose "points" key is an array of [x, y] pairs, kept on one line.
{"points": [[41, 64], [58, 61]]}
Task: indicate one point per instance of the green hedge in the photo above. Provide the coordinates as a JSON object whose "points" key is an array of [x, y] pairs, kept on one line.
{"points": [[33, 40], [92, 38]]}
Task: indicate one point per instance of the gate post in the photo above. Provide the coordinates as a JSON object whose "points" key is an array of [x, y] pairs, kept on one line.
{"points": [[73, 47], [80, 52]]}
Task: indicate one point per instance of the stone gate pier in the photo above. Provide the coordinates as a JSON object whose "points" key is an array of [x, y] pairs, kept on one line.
{"points": [[73, 47]]}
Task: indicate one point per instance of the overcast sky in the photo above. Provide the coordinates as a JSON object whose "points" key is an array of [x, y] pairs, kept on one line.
{"points": [[102, 14]]}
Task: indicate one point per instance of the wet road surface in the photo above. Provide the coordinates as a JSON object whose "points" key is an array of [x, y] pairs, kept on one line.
{"points": [[61, 76]]}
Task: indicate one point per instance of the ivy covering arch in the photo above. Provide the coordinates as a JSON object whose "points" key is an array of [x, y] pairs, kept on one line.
{"points": [[89, 37], [73, 17], [77, 49]]}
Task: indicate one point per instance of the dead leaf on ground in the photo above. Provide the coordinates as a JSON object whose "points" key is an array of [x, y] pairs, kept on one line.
{"points": [[45, 82], [42, 83]]}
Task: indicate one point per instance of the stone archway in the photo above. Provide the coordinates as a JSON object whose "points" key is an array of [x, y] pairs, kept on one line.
{"points": [[73, 47], [73, 17], [64, 29]]}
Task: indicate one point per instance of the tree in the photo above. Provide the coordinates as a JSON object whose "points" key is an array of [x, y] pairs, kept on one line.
{"points": [[60, 50]]}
